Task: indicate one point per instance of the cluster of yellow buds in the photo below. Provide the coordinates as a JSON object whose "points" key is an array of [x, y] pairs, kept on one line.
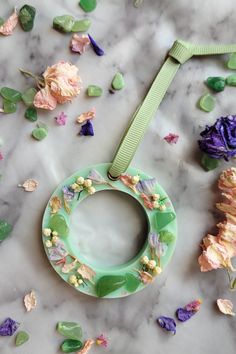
{"points": [[151, 265], [74, 280], [53, 237], [82, 184]]}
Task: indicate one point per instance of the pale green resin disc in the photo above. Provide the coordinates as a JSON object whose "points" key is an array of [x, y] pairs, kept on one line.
{"points": [[128, 280]]}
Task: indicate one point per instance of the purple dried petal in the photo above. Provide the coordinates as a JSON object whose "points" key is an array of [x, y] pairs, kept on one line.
{"points": [[68, 193], [58, 252], [87, 129], [99, 51], [153, 240], [147, 186], [95, 176], [167, 323], [193, 306], [184, 315], [8, 327]]}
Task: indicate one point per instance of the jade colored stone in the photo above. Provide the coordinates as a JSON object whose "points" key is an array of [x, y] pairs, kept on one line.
{"points": [[88, 5], [132, 282], [207, 102], [81, 25], [166, 237], [26, 17], [5, 229], [63, 23], [94, 91], [109, 283], [31, 114], [21, 338], [71, 345], [232, 61], [1, 21], [163, 219], [208, 163], [216, 83], [28, 96], [118, 82], [58, 223], [9, 107], [10, 94], [231, 80], [39, 133], [71, 330]]}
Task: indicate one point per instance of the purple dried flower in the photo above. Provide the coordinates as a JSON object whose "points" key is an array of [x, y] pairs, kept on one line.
{"points": [[153, 240], [87, 129], [219, 140], [183, 314], [61, 118], [99, 51], [68, 193], [147, 186], [8, 327], [167, 323], [58, 252], [95, 176]]}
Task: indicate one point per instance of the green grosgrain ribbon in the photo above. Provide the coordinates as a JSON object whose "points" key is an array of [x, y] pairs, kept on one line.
{"points": [[179, 53]]}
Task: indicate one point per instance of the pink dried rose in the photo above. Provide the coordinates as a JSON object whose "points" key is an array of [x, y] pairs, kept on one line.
{"points": [[86, 116], [87, 346], [102, 341], [171, 138], [61, 118], [44, 99], [79, 43], [225, 306], [9, 25]]}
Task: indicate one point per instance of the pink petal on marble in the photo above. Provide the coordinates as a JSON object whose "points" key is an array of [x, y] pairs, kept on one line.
{"points": [[1, 156], [171, 138], [9, 25], [79, 43], [61, 118]]}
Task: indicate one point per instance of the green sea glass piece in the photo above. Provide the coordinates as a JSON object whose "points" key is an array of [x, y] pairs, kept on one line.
{"points": [[71, 330], [21, 338], [208, 163], [81, 25], [58, 223], [5, 229], [10, 94], [39, 133], [71, 345], [118, 82], [109, 283], [163, 219], [9, 107], [63, 23], [166, 237], [31, 114], [28, 96], [232, 61], [26, 17], [88, 5], [207, 102], [216, 83], [231, 80], [1, 21], [94, 91], [132, 282]]}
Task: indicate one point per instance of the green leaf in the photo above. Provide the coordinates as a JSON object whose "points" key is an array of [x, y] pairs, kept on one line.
{"points": [[21, 338], [58, 223], [233, 284], [109, 283], [28, 96], [166, 237], [5, 229], [132, 282], [208, 163], [31, 114]]}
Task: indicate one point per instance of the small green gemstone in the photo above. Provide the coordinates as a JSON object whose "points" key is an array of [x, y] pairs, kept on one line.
{"points": [[39, 133], [58, 223], [70, 330], [26, 17], [28, 96], [10, 94], [132, 282], [207, 102], [63, 23], [9, 107], [208, 163], [163, 219], [71, 345], [216, 83], [109, 283], [81, 25], [232, 61], [21, 338], [166, 237], [1, 21], [31, 114], [118, 82], [231, 80], [88, 5], [94, 91], [5, 229]]}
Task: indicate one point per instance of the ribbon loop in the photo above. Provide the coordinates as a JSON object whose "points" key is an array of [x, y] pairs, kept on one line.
{"points": [[180, 51]]}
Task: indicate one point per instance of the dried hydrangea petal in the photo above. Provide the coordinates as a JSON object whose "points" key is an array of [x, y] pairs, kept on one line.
{"points": [[7, 28], [225, 306], [167, 323], [29, 185], [79, 43], [97, 49], [58, 252], [30, 301], [87, 129], [183, 314], [147, 186], [95, 176], [8, 327]]}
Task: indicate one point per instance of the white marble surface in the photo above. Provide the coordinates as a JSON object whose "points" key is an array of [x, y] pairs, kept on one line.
{"points": [[135, 41]]}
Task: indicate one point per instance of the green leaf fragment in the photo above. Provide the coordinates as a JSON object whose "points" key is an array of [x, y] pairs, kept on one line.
{"points": [[232, 61], [208, 163], [9, 107], [71, 345], [28, 96], [132, 282], [63, 23], [26, 17], [94, 91], [10, 94], [31, 114], [109, 283], [39, 133], [166, 237], [118, 82], [163, 219], [58, 223], [5, 230], [71, 330], [21, 338], [88, 5], [81, 25], [207, 102]]}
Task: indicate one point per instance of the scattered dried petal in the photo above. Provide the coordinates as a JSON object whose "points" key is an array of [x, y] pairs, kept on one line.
{"points": [[7, 28], [98, 50], [86, 272], [29, 185], [96, 177], [79, 43], [102, 341], [146, 277], [225, 306], [61, 118], [87, 129], [147, 186], [87, 346], [171, 138], [167, 323], [194, 305], [8, 327], [55, 204], [58, 252], [30, 301], [86, 116]]}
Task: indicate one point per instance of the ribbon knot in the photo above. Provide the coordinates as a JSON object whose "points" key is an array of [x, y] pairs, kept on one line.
{"points": [[180, 51]]}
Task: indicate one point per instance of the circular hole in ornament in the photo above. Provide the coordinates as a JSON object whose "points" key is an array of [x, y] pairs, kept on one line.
{"points": [[109, 228]]}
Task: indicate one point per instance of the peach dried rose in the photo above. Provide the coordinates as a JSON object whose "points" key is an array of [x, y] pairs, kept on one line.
{"points": [[9, 25], [43, 99], [227, 181]]}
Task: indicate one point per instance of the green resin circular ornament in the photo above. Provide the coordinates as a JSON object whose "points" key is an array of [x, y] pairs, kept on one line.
{"points": [[61, 245]]}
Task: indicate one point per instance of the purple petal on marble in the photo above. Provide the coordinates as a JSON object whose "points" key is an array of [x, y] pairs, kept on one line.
{"points": [[184, 315], [8, 327], [58, 252], [87, 129], [98, 50], [167, 323], [147, 186]]}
